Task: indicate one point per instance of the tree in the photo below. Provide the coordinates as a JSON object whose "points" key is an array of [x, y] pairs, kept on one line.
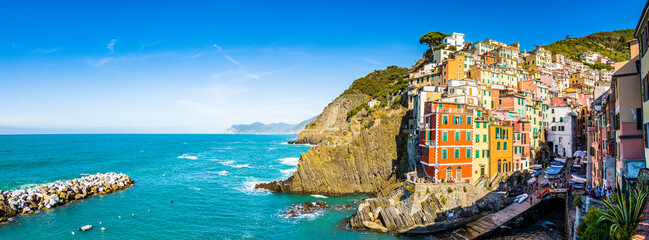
{"points": [[432, 38]]}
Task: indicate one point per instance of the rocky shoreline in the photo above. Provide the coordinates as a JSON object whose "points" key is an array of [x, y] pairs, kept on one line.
{"points": [[28, 201]]}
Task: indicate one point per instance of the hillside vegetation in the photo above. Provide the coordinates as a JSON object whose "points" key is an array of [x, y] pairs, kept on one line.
{"points": [[611, 44]]}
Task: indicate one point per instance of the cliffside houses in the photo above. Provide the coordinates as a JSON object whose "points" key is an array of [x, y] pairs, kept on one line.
{"points": [[485, 108]]}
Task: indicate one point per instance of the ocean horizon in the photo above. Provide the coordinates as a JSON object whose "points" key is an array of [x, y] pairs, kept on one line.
{"points": [[209, 177]]}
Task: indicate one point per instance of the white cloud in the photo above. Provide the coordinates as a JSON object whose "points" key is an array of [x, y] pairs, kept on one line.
{"points": [[232, 60], [372, 61], [218, 48], [45, 51], [100, 62], [111, 44]]}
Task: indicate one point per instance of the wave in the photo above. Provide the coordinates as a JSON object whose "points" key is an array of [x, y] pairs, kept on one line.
{"points": [[187, 156], [287, 172], [318, 196], [230, 163], [248, 187], [195, 188], [223, 173], [290, 161], [306, 216], [270, 148]]}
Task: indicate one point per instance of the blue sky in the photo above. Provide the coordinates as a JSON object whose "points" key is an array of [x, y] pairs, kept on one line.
{"points": [[201, 66]]}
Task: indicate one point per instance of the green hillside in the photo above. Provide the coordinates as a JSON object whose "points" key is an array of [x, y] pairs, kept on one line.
{"points": [[611, 44]]}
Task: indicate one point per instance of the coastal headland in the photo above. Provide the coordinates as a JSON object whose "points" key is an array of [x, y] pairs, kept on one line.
{"points": [[28, 201]]}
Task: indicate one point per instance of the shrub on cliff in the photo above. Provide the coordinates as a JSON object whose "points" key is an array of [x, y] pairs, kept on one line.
{"points": [[410, 188], [449, 190], [380, 83]]}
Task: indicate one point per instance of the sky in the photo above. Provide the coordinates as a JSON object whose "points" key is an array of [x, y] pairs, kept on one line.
{"points": [[201, 66]]}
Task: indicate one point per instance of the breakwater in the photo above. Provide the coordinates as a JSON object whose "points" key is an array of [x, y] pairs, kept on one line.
{"points": [[28, 201]]}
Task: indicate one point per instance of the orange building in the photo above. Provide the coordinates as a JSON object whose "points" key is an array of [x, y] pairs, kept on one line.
{"points": [[454, 68], [500, 146], [447, 141]]}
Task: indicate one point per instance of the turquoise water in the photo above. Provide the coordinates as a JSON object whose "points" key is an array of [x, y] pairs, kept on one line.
{"points": [[209, 178]]}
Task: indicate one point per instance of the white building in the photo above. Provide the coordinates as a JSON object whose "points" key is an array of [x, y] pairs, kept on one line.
{"points": [[456, 39], [561, 122], [440, 55]]}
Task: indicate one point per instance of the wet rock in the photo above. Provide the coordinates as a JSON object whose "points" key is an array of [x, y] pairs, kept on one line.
{"points": [[321, 203]]}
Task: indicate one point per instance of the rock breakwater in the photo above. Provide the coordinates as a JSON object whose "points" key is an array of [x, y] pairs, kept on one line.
{"points": [[28, 201]]}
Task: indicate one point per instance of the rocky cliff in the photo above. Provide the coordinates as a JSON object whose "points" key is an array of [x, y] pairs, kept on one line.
{"points": [[358, 149]]}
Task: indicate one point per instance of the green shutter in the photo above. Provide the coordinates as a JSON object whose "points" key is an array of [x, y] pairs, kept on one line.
{"points": [[468, 120], [457, 153], [445, 120], [484, 138], [444, 154], [504, 145], [477, 153], [498, 146], [457, 136], [468, 136], [468, 153], [444, 136]]}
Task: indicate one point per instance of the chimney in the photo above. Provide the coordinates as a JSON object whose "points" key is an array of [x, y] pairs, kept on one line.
{"points": [[633, 46]]}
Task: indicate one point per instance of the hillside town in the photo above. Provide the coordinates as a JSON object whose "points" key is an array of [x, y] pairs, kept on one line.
{"points": [[484, 110], [491, 108]]}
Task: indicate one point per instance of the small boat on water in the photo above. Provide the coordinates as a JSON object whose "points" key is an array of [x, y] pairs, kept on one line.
{"points": [[85, 228]]}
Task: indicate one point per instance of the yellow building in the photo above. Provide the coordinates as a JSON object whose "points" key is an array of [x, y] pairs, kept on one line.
{"points": [[540, 58], [481, 147], [489, 74], [581, 79], [500, 147]]}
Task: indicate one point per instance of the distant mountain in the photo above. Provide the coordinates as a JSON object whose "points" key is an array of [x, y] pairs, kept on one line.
{"points": [[272, 128]]}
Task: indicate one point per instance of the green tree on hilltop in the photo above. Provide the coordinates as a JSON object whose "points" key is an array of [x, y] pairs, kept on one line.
{"points": [[432, 38]]}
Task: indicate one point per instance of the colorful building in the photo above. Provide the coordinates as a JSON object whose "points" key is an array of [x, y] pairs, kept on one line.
{"points": [[500, 147], [447, 141], [481, 148]]}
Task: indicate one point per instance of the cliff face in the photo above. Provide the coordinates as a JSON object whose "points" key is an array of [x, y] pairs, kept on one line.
{"points": [[358, 148], [332, 119], [348, 162]]}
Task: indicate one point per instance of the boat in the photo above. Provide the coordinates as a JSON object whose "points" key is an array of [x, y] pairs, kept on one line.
{"points": [[85, 228], [521, 198], [536, 167]]}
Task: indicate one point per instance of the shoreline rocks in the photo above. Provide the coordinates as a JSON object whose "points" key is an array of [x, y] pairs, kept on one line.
{"points": [[28, 201], [310, 207]]}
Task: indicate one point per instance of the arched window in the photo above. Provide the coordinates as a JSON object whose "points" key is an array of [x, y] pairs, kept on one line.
{"points": [[499, 163], [449, 173], [458, 174]]}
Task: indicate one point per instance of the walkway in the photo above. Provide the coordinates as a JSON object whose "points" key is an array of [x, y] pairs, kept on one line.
{"points": [[492, 221]]}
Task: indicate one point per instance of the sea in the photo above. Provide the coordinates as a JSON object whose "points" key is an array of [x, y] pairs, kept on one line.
{"points": [[209, 177]]}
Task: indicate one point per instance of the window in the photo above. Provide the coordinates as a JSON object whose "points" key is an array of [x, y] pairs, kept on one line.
{"points": [[444, 153], [553, 119], [554, 128], [445, 120], [498, 146], [500, 102], [560, 119], [487, 153], [484, 138], [504, 145], [468, 120], [468, 153], [444, 136], [477, 153], [468, 136], [552, 110], [457, 153], [457, 135]]}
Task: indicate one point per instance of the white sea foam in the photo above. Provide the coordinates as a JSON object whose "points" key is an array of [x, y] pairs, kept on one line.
{"points": [[195, 188], [290, 161], [318, 196], [287, 172], [187, 156], [248, 187], [241, 166], [270, 148], [230, 163], [305, 216], [223, 173]]}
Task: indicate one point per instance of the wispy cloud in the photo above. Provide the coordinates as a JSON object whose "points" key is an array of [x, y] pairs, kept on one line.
{"points": [[372, 61], [45, 51], [143, 45], [100, 62], [111, 44], [39, 22], [218, 48], [232, 59]]}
